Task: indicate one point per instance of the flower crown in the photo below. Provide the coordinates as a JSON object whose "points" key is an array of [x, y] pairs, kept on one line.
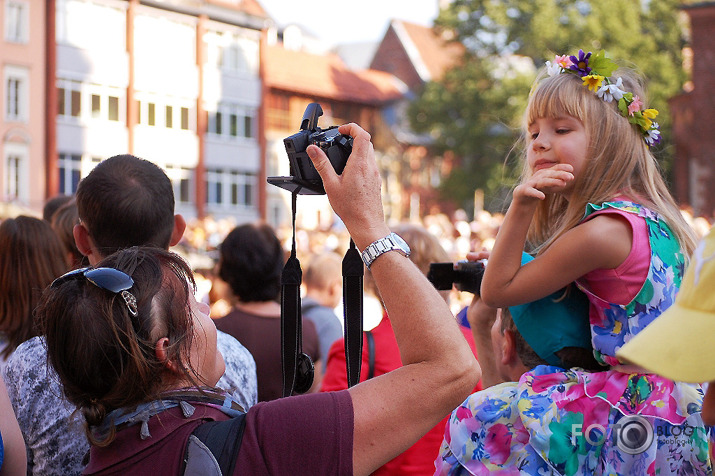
{"points": [[594, 70]]}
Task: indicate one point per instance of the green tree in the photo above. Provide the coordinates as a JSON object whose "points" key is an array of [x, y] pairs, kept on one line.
{"points": [[475, 109]]}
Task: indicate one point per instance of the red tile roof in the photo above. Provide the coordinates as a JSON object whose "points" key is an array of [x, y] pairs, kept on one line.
{"points": [[436, 53], [326, 76]]}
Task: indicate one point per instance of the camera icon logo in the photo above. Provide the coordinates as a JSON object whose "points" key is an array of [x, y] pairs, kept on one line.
{"points": [[634, 434]]}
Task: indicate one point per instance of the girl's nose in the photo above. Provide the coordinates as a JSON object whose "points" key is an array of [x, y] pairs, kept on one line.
{"points": [[541, 142]]}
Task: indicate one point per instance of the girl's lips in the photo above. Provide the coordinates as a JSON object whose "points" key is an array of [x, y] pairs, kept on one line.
{"points": [[543, 164]]}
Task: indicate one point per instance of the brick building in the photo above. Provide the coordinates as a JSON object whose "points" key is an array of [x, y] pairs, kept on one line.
{"points": [[694, 118], [294, 78], [416, 55]]}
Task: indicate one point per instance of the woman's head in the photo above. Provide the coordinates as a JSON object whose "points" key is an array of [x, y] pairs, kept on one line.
{"points": [[31, 256], [113, 349], [251, 262], [618, 160]]}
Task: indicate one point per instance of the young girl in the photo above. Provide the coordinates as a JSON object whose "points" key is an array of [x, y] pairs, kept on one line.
{"points": [[593, 206]]}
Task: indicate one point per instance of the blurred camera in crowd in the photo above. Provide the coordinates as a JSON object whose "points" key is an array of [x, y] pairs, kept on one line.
{"points": [[303, 176], [463, 275]]}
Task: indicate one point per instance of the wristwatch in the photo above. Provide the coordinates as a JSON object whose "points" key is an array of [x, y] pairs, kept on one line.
{"points": [[392, 242]]}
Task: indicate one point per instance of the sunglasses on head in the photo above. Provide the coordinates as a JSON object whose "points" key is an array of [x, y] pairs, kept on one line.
{"points": [[109, 279]]}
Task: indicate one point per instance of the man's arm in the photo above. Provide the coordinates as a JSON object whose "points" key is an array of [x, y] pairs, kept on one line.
{"points": [[394, 410]]}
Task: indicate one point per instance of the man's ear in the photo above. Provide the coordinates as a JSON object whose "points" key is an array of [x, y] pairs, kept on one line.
{"points": [[161, 350], [179, 228], [82, 239], [508, 350]]}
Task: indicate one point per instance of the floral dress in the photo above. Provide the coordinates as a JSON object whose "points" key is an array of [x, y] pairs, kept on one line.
{"points": [[574, 422]]}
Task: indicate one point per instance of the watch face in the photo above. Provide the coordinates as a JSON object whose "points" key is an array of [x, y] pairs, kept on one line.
{"points": [[402, 243]]}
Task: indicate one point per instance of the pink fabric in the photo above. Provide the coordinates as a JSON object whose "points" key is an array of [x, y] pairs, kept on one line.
{"points": [[632, 273]]}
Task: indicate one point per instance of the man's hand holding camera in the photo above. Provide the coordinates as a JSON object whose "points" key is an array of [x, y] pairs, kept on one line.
{"points": [[355, 194]]}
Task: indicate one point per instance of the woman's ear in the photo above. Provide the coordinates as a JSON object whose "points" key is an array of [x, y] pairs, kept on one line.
{"points": [[161, 350]]}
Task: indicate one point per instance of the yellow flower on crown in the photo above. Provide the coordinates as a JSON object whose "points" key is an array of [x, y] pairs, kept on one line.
{"points": [[592, 81], [649, 115]]}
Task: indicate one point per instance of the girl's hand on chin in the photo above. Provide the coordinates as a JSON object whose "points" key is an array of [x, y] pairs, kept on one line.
{"points": [[545, 181]]}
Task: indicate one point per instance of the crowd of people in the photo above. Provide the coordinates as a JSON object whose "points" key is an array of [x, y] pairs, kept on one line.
{"points": [[579, 354]]}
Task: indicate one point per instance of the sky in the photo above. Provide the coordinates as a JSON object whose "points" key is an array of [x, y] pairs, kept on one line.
{"points": [[356, 21]]}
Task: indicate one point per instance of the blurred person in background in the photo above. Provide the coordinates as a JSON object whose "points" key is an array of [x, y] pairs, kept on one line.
{"points": [[251, 263], [31, 256]]}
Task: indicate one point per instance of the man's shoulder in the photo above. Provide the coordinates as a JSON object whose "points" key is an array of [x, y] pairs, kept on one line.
{"points": [[30, 355]]}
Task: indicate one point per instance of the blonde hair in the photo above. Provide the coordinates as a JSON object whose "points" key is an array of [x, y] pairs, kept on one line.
{"points": [[619, 162]]}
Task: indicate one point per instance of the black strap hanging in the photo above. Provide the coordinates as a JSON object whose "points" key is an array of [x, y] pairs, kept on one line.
{"points": [[353, 307], [298, 370], [297, 366]]}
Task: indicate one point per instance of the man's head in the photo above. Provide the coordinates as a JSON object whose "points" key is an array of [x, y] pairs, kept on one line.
{"points": [[323, 279], [125, 201]]}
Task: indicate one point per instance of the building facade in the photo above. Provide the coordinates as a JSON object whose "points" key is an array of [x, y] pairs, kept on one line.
{"points": [[174, 82], [693, 118], [22, 126]]}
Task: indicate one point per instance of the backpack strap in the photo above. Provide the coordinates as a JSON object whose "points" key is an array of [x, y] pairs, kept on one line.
{"points": [[222, 439], [370, 354]]}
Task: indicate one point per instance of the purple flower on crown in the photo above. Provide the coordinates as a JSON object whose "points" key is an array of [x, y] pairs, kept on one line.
{"points": [[580, 64]]}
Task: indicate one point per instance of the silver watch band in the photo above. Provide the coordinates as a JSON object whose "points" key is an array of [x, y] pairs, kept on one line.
{"points": [[391, 242]]}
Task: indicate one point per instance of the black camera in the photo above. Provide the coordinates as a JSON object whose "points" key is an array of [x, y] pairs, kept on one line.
{"points": [[304, 177], [464, 275]]}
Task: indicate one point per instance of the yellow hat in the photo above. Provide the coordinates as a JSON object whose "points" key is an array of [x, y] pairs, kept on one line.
{"points": [[680, 343]]}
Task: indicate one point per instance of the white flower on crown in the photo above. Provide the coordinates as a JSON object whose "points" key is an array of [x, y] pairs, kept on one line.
{"points": [[609, 92], [552, 69], [653, 135]]}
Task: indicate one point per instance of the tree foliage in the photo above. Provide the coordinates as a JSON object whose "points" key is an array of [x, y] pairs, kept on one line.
{"points": [[475, 109]]}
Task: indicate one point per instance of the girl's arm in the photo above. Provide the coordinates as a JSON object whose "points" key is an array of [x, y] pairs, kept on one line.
{"points": [[601, 242], [394, 410]]}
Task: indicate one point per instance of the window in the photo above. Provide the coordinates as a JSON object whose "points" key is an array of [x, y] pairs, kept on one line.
{"points": [[96, 106], [17, 21], [233, 125], [248, 127], [181, 182], [70, 172], [185, 118], [231, 121], [69, 98], [230, 188], [169, 117], [151, 120], [12, 184], [16, 93], [214, 186], [113, 110]]}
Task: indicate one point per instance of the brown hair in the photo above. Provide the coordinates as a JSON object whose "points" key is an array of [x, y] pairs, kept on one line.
{"points": [[105, 357], [31, 256], [63, 222], [619, 160]]}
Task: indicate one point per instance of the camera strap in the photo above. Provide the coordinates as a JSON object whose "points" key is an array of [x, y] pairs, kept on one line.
{"points": [[353, 306], [297, 367]]}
